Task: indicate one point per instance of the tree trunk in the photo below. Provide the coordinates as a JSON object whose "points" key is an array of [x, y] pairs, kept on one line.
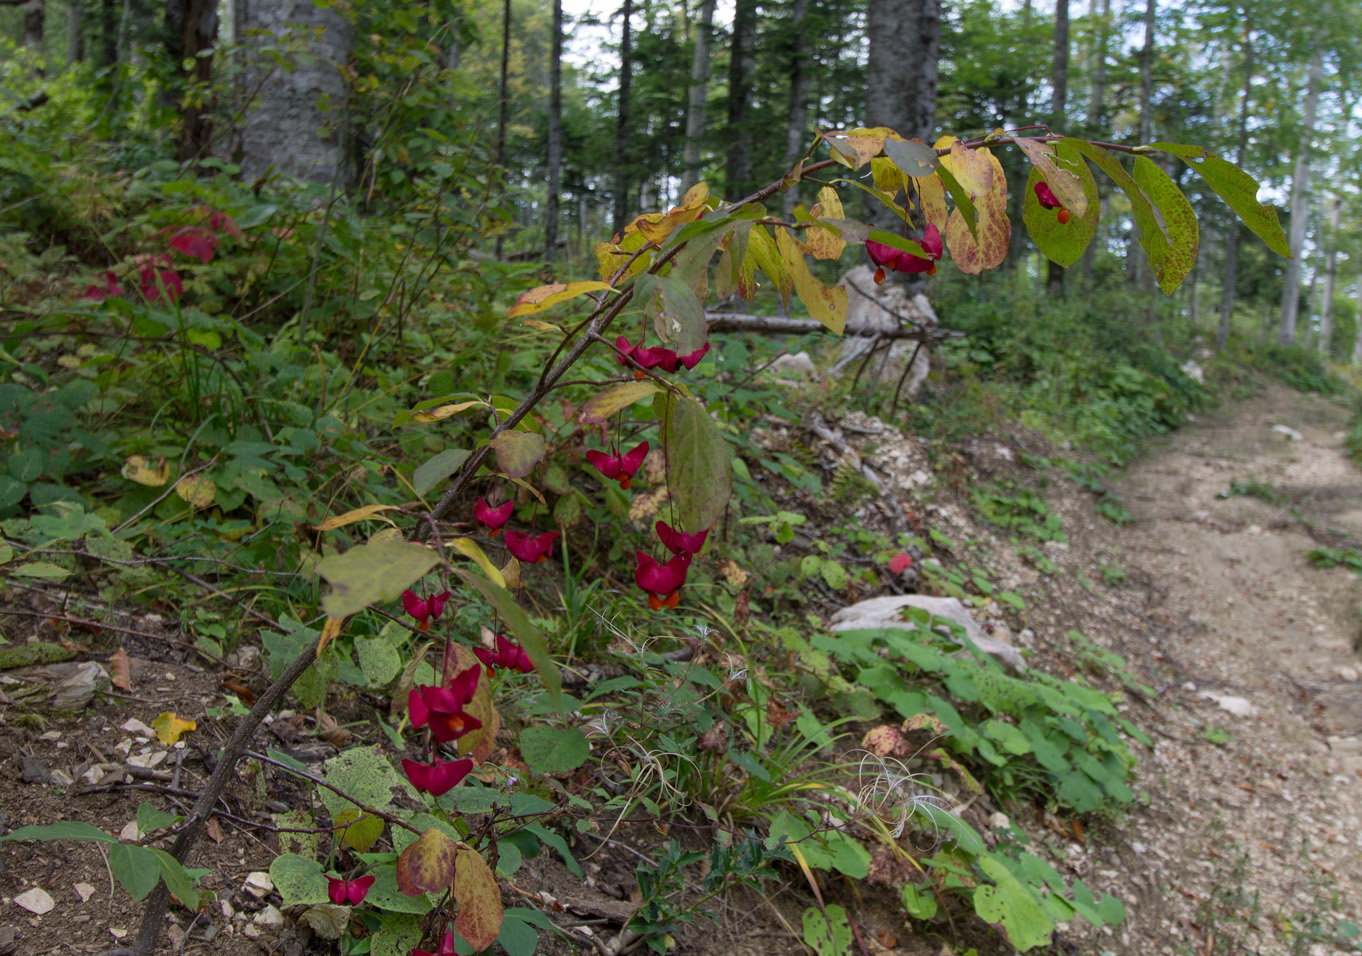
{"points": [[499, 159], [1059, 84], [1300, 200], [742, 67], [901, 73], [286, 128], [1137, 270], [35, 20], [1357, 341], [108, 28], [555, 135], [621, 216], [75, 34], [1326, 310], [192, 30], [1097, 116], [801, 80], [1235, 229], [699, 96]]}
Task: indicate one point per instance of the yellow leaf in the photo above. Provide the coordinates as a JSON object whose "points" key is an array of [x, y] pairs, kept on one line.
{"points": [[511, 574], [479, 898], [856, 147], [657, 228], [541, 326], [469, 548], [444, 411], [824, 243], [970, 167], [169, 727], [330, 631], [138, 469], [545, 296], [988, 251], [197, 491], [350, 517], [827, 305]]}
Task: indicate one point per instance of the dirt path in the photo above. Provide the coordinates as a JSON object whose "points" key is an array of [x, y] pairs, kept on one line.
{"points": [[1252, 839]]}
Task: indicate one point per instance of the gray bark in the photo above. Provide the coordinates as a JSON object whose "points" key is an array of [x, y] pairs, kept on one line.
{"points": [[1059, 85], [35, 21], [742, 67], [1326, 310], [901, 71], [801, 81], [555, 135], [75, 35], [294, 124], [621, 212], [1300, 201], [1230, 272], [699, 97]]}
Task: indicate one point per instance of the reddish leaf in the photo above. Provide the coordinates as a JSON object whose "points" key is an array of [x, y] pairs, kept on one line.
{"points": [[479, 899], [121, 665], [427, 866], [518, 452]]}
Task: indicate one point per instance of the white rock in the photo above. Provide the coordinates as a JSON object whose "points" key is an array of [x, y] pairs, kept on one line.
{"points": [[1346, 672], [135, 726], [1290, 433], [129, 833], [37, 900], [1193, 371], [798, 364], [269, 917], [259, 884], [882, 612], [93, 775], [147, 761], [84, 891], [1238, 706]]}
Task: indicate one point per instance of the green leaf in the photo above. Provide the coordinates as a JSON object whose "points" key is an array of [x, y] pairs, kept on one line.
{"points": [[299, 879], [913, 158], [518, 452], [397, 934], [517, 937], [555, 841], [920, 903], [828, 935], [12, 491], [44, 570], [1062, 243], [963, 202], [602, 406], [27, 465], [701, 479], [429, 474], [762, 251], [1012, 906], [1060, 173], [385, 895], [136, 867], [554, 749], [1011, 739], [372, 573], [65, 830], [1237, 188], [1178, 222], [364, 774], [378, 659], [676, 313], [1152, 237], [362, 830], [177, 879], [151, 818], [846, 855], [529, 636]]}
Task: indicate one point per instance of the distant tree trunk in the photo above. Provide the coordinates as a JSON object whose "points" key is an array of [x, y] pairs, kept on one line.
{"points": [[742, 65], [1137, 271], [1326, 311], [191, 31], [108, 30], [284, 127], [621, 217], [901, 73], [35, 20], [1230, 272], [1357, 341], [503, 103], [75, 34], [1300, 201], [1059, 84], [555, 135], [801, 80], [1097, 113], [699, 96]]}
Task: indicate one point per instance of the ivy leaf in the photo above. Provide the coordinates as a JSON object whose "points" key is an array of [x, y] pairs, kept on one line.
{"points": [[701, 479], [1062, 243], [827, 305], [545, 296], [479, 899], [427, 866], [518, 452], [371, 573], [1237, 188]]}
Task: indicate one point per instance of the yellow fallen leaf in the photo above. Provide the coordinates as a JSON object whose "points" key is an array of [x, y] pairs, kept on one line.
{"points": [[330, 631], [169, 727], [197, 491], [350, 517], [139, 469]]}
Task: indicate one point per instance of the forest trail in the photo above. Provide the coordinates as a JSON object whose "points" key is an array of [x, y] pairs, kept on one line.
{"points": [[1252, 839]]}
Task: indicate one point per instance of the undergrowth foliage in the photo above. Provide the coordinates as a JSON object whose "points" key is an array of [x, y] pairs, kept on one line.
{"points": [[271, 373]]}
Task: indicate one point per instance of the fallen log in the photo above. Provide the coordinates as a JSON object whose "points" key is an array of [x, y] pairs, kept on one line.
{"points": [[780, 325]]}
